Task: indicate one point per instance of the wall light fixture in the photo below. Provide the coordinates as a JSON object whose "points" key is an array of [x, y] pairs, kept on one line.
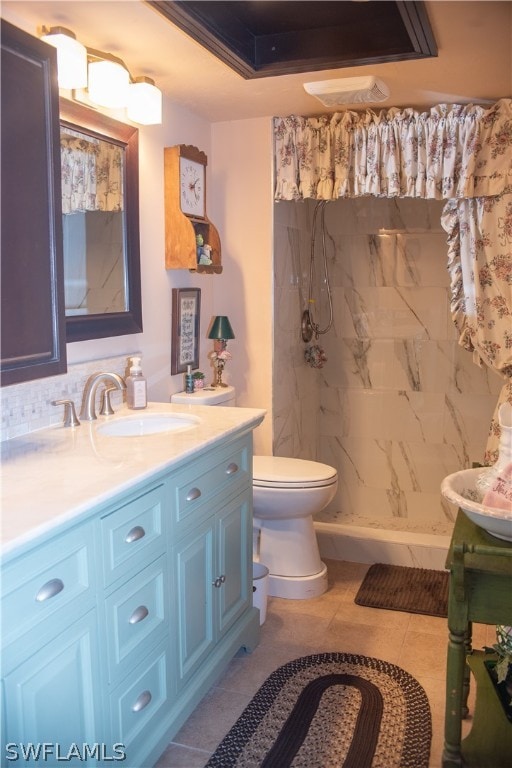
{"points": [[144, 101], [106, 77], [71, 57]]}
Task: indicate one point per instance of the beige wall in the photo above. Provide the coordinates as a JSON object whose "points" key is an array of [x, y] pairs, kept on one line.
{"points": [[242, 209]]}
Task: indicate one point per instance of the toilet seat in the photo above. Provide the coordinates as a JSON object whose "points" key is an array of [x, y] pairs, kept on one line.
{"points": [[282, 472]]}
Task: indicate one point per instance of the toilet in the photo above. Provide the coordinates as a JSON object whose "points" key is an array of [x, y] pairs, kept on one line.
{"points": [[286, 494]]}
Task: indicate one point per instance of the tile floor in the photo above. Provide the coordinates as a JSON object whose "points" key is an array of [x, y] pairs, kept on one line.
{"points": [[332, 622]]}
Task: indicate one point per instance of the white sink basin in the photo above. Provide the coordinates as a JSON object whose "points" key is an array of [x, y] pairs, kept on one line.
{"points": [[147, 424], [460, 489]]}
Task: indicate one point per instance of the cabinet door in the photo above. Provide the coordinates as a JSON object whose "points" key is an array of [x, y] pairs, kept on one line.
{"points": [[50, 699], [213, 581], [234, 561], [193, 561], [33, 341]]}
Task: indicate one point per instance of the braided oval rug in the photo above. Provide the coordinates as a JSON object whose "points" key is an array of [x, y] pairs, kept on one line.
{"points": [[332, 710]]}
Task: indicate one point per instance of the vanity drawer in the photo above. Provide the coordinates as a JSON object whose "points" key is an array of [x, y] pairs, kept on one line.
{"points": [[133, 535], [136, 618], [54, 583], [135, 705], [226, 471]]}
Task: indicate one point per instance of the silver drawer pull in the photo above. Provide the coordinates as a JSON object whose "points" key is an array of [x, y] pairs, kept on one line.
{"points": [[222, 579], [50, 589], [139, 614], [193, 494], [232, 468], [142, 701], [135, 534]]}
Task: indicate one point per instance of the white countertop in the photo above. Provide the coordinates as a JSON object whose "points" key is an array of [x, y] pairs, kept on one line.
{"points": [[54, 475]]}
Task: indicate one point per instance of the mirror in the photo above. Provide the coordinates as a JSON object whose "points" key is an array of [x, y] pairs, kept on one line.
{"points": [[100, 220]]}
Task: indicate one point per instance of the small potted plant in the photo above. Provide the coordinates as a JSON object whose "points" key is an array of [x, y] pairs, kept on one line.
{"points": [[199, 379]]}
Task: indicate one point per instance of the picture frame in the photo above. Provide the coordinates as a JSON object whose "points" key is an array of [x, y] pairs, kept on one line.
{"points": [[186, 314]]}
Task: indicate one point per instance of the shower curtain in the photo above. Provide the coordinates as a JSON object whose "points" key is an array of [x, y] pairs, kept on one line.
{"points": [[462, 154]]}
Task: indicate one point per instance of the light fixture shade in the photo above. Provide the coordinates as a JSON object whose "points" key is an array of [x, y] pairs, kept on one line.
{"points": [[71, 57], [144, 102], [108, 83], [221, 328]]}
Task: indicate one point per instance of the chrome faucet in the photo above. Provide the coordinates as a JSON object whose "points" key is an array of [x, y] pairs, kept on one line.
{"points": [[70, 419], [88, 411]]}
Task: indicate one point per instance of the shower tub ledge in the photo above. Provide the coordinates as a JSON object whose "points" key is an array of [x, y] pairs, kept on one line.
{"points": [[375, 545]]}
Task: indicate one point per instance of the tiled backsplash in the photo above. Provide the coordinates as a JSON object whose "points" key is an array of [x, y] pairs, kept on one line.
{"points": [[27, 407]]}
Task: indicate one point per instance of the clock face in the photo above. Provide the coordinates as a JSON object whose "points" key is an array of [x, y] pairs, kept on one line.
{"points": [[192, 187]]}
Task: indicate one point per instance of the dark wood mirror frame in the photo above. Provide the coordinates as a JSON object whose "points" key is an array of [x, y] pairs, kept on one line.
{"points": [[85, 120]]}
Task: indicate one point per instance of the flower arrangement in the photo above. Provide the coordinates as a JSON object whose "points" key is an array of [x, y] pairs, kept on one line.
{"points": [[219, 358]]}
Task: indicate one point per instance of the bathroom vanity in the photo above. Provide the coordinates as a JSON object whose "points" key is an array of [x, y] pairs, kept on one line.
{"points": [[126, 581]]}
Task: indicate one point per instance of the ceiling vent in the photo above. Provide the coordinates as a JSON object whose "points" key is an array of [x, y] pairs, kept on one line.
{"points": [[348, 90]]}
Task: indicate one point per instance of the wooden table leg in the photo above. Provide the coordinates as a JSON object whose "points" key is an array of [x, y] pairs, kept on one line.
{"points": [[468, 647], [455, 681]]}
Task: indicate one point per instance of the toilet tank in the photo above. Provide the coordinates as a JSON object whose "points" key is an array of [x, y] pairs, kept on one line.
{"points": [[207, 396]]}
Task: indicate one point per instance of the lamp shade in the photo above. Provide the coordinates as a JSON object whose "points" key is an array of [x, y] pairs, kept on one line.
{"points": [[108, 83], [221, 328], [71, 57], [144, 102]]}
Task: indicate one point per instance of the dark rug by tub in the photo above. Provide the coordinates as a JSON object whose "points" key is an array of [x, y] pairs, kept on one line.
{"points": [[332, 710], [398, 588]]}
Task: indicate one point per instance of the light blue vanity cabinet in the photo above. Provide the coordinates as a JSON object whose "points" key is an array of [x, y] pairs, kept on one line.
{"points": [[115, 628], [50, 651]]}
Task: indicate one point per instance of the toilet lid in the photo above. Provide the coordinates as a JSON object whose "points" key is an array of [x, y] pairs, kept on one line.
{"points": [[281, 472]]}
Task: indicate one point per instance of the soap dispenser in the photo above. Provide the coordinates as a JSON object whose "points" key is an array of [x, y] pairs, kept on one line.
{"points": [[136, 386]]}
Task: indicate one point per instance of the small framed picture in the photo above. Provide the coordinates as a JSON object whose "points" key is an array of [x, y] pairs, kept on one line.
{"points": [[186, 310]]}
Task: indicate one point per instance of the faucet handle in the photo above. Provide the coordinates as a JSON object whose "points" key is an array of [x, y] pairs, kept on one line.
{"points": [[105, 404], [70, 417]]}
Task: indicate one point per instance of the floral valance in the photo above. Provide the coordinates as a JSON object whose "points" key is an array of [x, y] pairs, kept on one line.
{"points": [[451, 151], [92, 174]]}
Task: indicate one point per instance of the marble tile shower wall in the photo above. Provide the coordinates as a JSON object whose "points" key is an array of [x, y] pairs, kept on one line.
{"points": [[296, 391], [28, 406], [399, 404]]}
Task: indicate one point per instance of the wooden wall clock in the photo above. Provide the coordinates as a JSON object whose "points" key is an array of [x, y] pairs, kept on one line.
{"points": [[193, 184], [186, 221]]}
